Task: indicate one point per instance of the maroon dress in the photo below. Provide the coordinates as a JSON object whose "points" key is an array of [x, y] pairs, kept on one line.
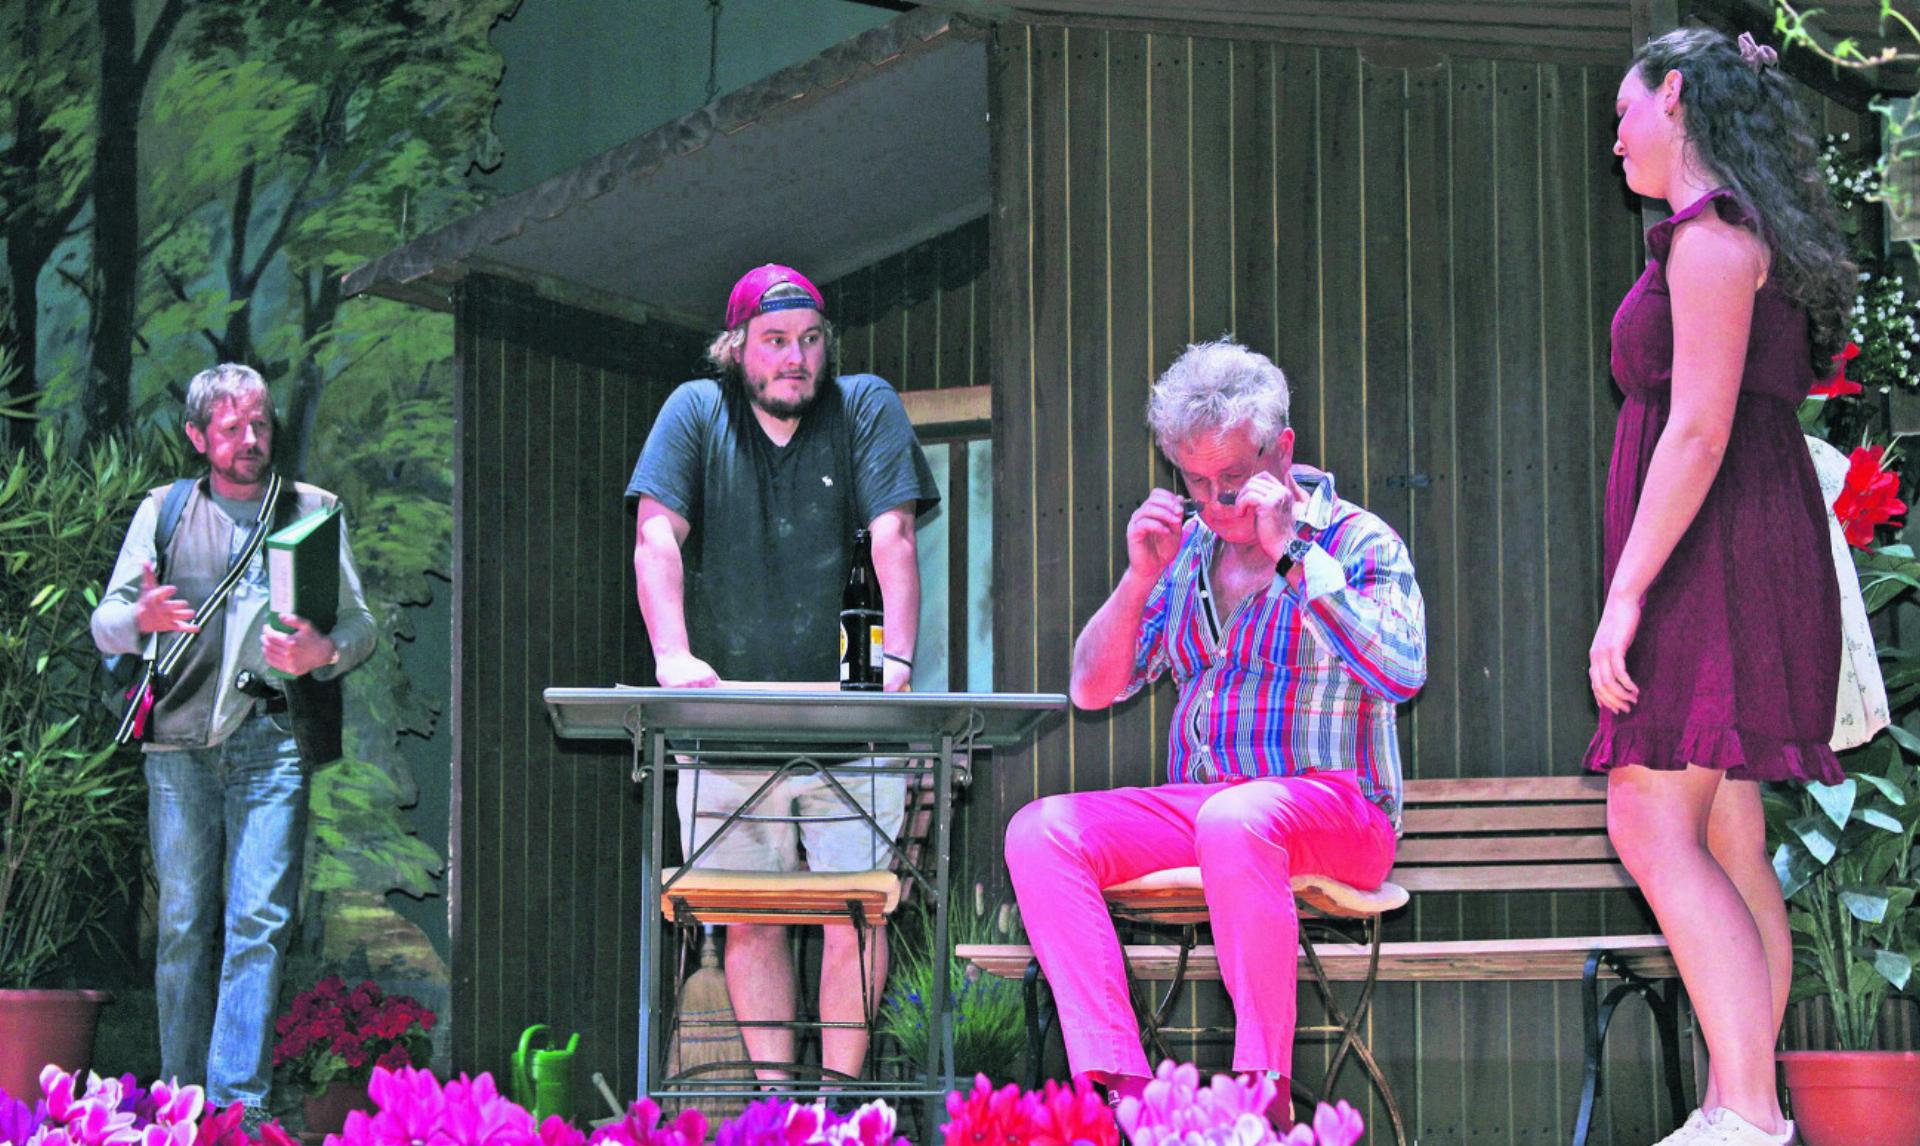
{"points": [[1738, 652]]}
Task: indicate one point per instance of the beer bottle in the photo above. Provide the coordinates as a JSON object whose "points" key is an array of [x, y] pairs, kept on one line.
{"points": [[862, 666]]}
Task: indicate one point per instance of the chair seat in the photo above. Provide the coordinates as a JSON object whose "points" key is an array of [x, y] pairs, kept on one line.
{"points": [[1175, 895], [714, 895]]}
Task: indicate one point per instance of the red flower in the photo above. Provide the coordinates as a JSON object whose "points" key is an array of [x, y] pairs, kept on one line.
{"points": [[395, 1058], [1870, 498], [1067, 1116], [988, 1117], [1839, 385]]}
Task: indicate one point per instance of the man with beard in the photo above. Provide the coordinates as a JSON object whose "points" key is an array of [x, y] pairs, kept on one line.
{"points": [[747, 495], [228, 744]]}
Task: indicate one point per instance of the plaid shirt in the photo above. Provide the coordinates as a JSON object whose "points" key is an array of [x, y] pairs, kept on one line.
{"points": [[1295, 680]]}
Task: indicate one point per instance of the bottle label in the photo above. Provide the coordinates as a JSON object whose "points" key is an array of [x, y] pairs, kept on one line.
{"points": [[861, 649]]}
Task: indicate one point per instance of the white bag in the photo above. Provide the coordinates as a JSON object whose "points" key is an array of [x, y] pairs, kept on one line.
{"points": [[1862, 710]]}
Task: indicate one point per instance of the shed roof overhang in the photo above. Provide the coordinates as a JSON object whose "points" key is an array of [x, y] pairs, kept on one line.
{"points": [[874, 145]]}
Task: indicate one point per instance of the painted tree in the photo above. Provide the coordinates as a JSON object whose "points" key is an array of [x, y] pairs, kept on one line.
{"points": [[126, 63], [48, 63], [327, 132]]}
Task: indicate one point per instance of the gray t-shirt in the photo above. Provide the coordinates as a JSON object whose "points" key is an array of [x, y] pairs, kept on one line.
{"points": [[772, 526]]}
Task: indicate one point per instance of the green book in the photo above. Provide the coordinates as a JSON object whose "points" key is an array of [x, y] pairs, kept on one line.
{"points": [[303, 571]]}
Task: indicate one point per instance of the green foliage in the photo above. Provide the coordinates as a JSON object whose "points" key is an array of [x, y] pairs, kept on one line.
{"points": [[359, 839], [70, 804], [989, 1020], [1797, 26], [1846, 864]]}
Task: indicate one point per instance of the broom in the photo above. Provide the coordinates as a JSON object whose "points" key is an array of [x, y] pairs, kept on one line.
{"points": [[707, 1032]]}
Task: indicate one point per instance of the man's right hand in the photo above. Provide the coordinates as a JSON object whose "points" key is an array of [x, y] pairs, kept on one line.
{"points": [[684, 670], [158, 610], [1153, 534]]}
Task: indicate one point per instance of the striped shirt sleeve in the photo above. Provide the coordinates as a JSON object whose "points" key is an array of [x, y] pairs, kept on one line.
{"points": [[1151, 655], [1377, 624]]}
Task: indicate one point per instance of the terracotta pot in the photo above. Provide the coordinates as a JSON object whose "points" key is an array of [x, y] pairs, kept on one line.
{"points": [[1855, 1098], [45, 1027], [327, 1111]]}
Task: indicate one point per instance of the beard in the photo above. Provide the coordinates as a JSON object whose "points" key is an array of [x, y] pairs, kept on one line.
{"points": [[759, 392]]}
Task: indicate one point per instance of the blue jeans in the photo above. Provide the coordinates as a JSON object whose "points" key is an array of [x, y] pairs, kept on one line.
{"points": [[229, 829]]}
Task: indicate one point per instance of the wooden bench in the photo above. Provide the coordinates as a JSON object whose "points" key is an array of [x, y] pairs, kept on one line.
{"points": [[1528, 834]]}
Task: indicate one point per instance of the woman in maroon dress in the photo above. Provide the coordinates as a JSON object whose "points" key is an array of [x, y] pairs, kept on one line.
{"points": [[1716, 660]]}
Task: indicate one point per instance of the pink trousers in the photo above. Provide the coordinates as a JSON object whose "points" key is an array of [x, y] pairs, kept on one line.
{"points": [[1249, 839]]}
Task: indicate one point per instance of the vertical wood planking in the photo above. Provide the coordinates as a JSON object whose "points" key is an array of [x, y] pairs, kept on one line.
{"points": [[546, 831], [1420, 251], [1138, 738], [1297, 290], [1522, 481], [1053, 392], [1011, 271], [1089, 385], [1343, 414]]}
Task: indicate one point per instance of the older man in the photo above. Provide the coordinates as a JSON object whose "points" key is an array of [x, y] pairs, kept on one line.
{"points": [[1292, 625]]}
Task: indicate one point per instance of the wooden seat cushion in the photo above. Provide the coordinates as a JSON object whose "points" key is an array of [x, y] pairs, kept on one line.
{"points": [[716, 895], [1175, 895]]}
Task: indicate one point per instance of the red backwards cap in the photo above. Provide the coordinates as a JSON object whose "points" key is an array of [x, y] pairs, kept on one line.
{"points": [[759, 291]]}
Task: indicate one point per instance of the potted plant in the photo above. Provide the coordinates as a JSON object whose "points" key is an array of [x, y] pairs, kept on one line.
{"points": [[333, 1037], [70, 804], [1846, 864], [989, 1020]]}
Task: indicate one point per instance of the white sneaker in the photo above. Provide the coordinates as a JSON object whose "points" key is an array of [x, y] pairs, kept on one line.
{"points": [[1725, 1128], [1689, 1132]]}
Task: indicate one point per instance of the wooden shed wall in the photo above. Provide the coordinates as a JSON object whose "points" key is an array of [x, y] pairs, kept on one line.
{"points": [[552, 407], [1432, 254]]}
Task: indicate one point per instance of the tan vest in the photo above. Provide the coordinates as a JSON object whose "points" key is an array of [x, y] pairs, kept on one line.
{"points": [[199, 698]]}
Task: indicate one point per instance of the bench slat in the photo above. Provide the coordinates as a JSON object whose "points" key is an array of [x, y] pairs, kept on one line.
{"points": [[1506, 790], [1450, 961], [1419, 851], [1509, 820], [1533, 877]]}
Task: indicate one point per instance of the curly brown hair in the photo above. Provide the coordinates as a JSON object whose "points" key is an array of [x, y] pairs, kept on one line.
{"points": [[1747, 128]]}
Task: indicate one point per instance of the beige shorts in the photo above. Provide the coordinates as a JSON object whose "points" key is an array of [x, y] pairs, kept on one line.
{"points": [[836, 838]]}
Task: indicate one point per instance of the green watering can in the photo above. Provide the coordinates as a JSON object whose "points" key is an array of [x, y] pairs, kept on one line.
{"points": [[543, 1078]]}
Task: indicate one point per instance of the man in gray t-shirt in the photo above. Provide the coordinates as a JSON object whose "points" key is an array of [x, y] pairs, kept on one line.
{"points": [[747, 496]]}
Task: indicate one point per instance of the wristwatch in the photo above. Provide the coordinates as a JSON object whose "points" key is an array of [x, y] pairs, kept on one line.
{"points": [[1295, 553]]}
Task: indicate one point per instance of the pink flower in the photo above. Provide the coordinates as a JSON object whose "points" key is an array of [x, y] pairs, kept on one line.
{"points": [[57, 1085], [224, 1127], [174, 1104], [640, 1127], [871, 1125], [1338, 1125], [557, 1131]]}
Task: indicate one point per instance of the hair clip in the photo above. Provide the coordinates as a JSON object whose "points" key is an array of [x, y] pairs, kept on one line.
{"points": [[1756, 54]]}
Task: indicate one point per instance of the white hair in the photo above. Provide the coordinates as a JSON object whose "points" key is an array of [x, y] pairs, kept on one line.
{"points": [[1216, 388]]}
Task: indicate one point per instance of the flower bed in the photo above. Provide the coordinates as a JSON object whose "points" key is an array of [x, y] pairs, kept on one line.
{"points": [[414, 1107]]}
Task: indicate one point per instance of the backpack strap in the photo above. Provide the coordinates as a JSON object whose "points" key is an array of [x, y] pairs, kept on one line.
{"points": [[170, 511]]}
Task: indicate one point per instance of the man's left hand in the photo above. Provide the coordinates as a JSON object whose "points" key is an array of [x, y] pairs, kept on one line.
{"points": [[896, 676], [299, 652], [1276, 504]]}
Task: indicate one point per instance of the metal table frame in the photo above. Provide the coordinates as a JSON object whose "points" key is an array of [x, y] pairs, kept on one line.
{"points": [[729, 729]]}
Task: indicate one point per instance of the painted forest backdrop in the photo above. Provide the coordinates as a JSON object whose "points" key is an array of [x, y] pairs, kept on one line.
{"points": [[183, 183]]}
